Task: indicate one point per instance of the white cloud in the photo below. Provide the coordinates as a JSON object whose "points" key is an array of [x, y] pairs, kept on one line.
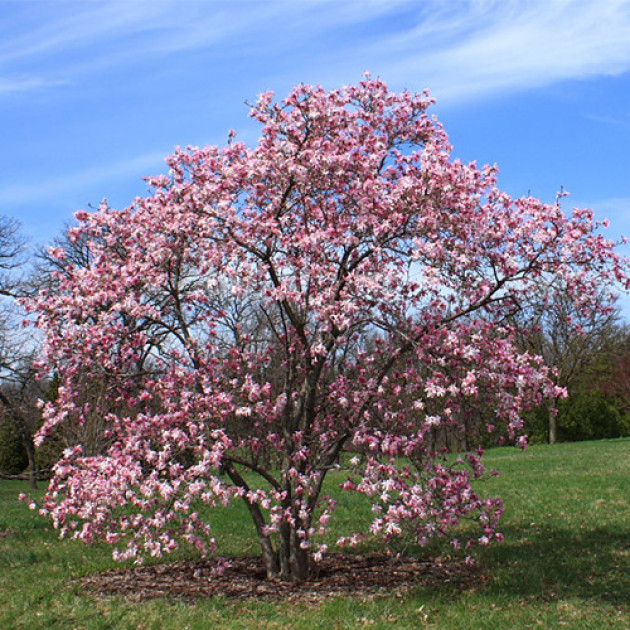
{"points": [[459, 49], [622, 121], [489, 46], [128, 169], [26, 84], [166, 26]]}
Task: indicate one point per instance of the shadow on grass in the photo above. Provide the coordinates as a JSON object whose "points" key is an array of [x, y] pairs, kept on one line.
{"points": [[550, 562]]}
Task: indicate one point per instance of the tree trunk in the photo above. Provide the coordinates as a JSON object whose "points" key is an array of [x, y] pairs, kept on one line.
{"points": [[32, 462], [270, 558], [299, 560], [289, 563], [553, 422]]}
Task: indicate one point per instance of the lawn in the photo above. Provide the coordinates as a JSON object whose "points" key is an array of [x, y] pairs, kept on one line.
{"points": [[565, 562]]}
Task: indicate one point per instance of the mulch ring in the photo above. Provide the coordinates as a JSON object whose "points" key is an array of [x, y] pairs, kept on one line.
{"points": [[244, 578]]}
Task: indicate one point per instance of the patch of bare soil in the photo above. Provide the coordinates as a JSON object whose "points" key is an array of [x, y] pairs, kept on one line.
{"points": [[244, 578]]}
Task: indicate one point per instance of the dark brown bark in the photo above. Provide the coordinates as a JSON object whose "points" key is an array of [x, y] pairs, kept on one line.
{"points": [[32, 461], [288, 562], [553, 422]]}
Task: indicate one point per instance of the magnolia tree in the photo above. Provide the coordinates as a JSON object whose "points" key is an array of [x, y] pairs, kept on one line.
{"points": [[333, 298]]}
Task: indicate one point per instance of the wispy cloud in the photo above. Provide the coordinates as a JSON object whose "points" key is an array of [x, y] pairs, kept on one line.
{"points": [[616, 121], [26, 84], [73, 38], [484, 47], [460, 49], [167, 26], [32, 192]]}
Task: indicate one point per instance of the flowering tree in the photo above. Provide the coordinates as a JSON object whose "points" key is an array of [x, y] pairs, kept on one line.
{"points": [[342, 286]]}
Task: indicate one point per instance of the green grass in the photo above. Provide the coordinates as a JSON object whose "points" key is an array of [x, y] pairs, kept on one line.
{"points": [[565, 562]]}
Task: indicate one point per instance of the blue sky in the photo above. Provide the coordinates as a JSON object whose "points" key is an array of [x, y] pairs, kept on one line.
{"points": [[94, 94]]}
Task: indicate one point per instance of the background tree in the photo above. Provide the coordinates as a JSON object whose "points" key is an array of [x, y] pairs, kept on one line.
{"points": [[12, 252], [19, 418], [615, 374], [572, 338], [599, 402], [49, 272], [49, 268], [344, 285]]}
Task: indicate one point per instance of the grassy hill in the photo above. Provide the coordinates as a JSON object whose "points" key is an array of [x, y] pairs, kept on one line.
{"points": [[565, 562]]}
